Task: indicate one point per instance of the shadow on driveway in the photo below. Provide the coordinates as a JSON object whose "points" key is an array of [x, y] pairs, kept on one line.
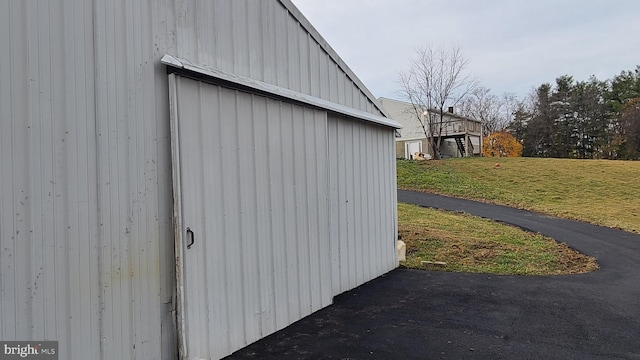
{"points": [[414, 314]]}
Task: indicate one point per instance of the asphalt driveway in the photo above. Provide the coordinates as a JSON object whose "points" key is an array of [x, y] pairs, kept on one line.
{"points": [[413, 314]]}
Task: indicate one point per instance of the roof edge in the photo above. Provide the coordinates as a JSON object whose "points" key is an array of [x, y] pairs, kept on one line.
{"points": [[276, 91], [382, 99], [289, 5]]}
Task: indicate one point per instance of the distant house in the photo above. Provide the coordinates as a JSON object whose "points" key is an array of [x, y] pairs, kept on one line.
{"points": [[461, 136]]}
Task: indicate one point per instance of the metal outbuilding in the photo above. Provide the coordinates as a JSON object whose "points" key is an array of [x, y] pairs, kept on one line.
{"points": [[181, 178]]}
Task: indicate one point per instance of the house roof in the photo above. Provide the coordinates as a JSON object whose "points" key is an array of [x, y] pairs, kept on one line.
{"points": [[433, 111]]}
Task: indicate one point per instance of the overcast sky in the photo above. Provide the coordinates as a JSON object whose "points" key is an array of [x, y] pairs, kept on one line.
{"points": [[512, 45]]}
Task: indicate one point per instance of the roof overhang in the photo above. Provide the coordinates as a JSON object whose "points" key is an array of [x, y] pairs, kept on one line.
{"points": [[218, 76]]}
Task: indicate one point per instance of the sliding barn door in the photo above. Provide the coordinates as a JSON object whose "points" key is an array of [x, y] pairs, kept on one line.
{"points": [[251, 215]]}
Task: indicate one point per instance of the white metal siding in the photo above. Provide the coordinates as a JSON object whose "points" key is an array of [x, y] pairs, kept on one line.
{"points": [[86, 240], [363, 214], [85, 223], [404, 113], [264, 41], [255, 193], [259, 87]]}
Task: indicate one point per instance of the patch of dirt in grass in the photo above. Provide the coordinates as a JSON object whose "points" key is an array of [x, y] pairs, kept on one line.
{"points": [[575, 262]]}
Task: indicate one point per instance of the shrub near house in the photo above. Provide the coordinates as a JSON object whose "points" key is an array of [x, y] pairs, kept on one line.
{"points": [[501, 144]]}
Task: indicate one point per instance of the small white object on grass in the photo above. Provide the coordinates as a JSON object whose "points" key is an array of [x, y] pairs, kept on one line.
{"points": [[402, 251], [438, 263]]}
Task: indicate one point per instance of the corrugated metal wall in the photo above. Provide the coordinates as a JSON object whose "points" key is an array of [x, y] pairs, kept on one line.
{"points": [[86, 235], [85, 222], [288, 209], [255, 194], [363, 218], [263, 41]]}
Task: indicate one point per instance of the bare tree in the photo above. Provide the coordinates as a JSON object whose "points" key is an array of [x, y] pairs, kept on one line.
{"points": [[494, 112], [436, 79]]}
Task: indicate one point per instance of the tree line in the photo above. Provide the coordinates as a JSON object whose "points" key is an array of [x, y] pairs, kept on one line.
{"points": [[589, 119], [586, 119]]}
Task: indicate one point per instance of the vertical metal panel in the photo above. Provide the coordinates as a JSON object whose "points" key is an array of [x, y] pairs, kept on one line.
{"points": [[293, 50], [303, 49], [276, 191], [362, 202], [323, 76], [342, 89], [131, 141], [339, 250], [85, 213], [268, 41], [223, 42], [262, 215], [255, 36], [7, 229], [240, 37], [255, 194], [291, 251], [281, 45], [46, 282], [314, 72]]}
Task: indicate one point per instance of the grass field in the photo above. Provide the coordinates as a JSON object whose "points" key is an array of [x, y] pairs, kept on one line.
{"points": [[472, 244], [601, 192]]}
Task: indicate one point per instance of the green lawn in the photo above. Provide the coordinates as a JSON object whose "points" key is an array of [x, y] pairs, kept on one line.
{"points": [[601, 192], [472, 244]]}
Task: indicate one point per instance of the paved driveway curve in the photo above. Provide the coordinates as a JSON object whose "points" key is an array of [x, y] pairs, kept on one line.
{"points": [[413, 314]]}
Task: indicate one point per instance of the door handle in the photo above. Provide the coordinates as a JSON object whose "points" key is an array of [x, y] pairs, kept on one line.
{"points": [[192, 238]]}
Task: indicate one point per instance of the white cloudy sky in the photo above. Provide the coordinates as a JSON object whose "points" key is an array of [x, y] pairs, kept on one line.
{"points": [[512, 45]]}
